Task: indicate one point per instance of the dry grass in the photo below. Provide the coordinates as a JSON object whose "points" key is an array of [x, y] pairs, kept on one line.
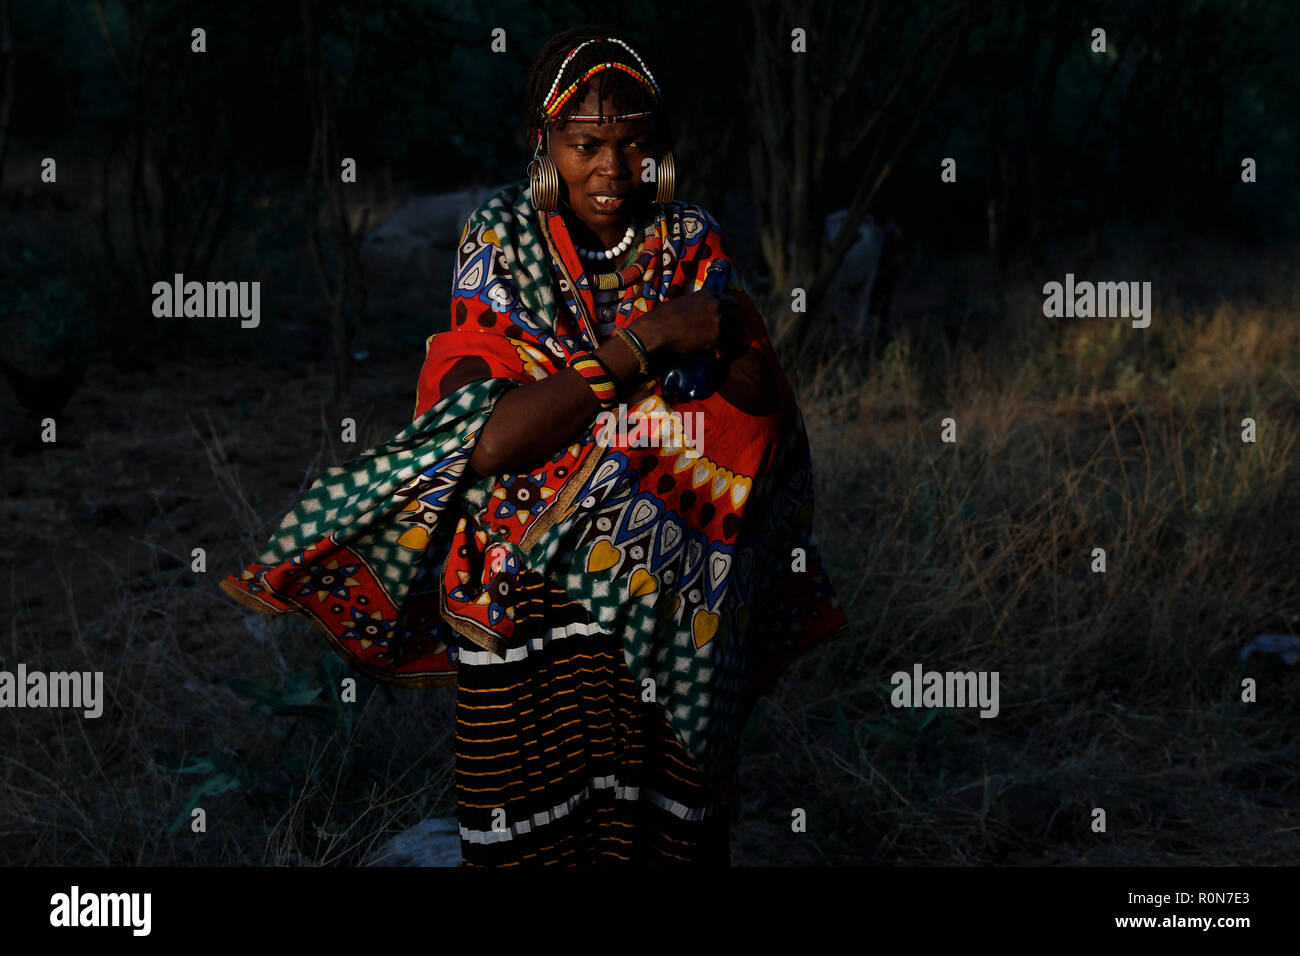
{"points": [[148, 467], [1118, 690]]}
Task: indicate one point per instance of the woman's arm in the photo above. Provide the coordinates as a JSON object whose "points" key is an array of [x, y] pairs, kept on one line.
{"points": [[532, 421]]}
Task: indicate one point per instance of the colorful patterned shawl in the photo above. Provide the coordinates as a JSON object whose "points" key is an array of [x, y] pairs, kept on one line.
{"points": [[701, 562]]}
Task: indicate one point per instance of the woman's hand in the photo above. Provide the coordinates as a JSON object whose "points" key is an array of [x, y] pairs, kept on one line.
{"points": [[692, 323]]}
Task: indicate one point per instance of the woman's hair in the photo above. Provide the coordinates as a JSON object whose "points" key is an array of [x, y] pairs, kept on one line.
{"points": [[616, 89]]}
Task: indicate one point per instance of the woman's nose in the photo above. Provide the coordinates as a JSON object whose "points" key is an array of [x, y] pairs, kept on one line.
{"points": [[611, 162]]}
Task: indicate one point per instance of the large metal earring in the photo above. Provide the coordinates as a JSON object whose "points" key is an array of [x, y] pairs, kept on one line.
{"points": [[544, 180], [666, 175]]}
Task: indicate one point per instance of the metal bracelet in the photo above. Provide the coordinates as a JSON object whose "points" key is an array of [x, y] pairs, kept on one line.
{"points": [[633, 341]]}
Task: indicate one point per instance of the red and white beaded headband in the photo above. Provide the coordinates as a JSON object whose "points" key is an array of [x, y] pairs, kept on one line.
{"points": [[609, 119], [554, 100]]}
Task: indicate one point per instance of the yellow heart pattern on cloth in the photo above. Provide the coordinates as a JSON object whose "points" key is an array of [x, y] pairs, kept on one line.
{"points": [[740, 490], [414, 539], [602, 557], [715, 480], [703, 626], [643, 582]]}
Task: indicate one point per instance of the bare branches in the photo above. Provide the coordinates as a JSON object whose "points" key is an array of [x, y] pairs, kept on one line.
{"points": [[340, 276], [177, 204], [819, 114]]}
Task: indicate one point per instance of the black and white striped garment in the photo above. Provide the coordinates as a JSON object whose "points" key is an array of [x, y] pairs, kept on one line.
{"points": [[559, 761]]}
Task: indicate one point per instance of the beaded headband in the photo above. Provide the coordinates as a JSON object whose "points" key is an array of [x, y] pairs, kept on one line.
{"points": [[608, 119], [554, 101]]}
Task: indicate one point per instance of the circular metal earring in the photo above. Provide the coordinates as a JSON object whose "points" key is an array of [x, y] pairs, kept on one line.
{"points": [[666, 174], [544, 180]]}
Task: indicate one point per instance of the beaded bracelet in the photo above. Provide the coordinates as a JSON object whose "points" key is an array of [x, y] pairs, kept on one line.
{"points": [[633, 341], [597, 378]]}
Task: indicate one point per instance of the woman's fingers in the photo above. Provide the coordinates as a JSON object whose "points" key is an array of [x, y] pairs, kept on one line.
{"points": [[726, 308]]}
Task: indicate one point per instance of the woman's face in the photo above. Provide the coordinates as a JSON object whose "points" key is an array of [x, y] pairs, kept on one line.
{"points": [[601, 165]]}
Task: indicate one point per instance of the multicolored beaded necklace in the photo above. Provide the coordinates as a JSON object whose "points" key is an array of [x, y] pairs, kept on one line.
{"points": [[607, 287]]}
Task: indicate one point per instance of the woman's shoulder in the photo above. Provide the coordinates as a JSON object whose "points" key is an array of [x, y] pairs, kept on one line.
{"points": [[497, 202], [496, 211]]}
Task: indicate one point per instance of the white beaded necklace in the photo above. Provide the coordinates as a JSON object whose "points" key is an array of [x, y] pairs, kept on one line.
{"points": [[611, 253]]}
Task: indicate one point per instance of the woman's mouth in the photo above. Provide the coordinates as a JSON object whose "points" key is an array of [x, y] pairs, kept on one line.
{"points": [[606, 202]]}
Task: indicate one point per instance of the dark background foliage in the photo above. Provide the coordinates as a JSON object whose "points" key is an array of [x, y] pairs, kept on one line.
{"points": [[1064, 142], [176, 434]]}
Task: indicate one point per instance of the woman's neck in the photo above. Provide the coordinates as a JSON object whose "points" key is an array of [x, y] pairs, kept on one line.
{"points": [[584, 236]]}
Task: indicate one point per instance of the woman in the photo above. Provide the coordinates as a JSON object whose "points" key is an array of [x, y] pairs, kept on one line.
{"points": [[609, 601]]}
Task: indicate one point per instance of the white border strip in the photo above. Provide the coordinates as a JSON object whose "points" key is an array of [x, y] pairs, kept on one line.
{"points": [[561, 810], [478, 658]]}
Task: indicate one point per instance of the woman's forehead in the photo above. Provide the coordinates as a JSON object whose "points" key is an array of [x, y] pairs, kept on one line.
{"points": [[590, 129], [593, 106]]}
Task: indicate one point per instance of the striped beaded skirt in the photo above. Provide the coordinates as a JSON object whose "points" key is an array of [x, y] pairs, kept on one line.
{"points": [[559, 761]]}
